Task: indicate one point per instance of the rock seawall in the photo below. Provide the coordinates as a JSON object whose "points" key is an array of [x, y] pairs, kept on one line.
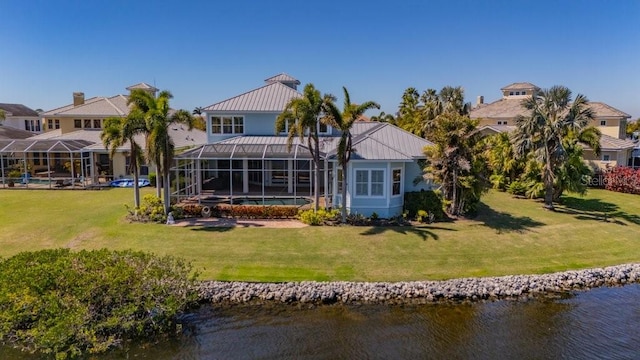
{"points": [[512, 286]]}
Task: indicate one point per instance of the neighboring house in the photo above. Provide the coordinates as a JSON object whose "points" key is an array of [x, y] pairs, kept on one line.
{"points": [[500, 116], [71, 134], [244, 157], [18, 116]]}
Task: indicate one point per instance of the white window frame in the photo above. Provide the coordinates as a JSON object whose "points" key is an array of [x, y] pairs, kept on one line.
{"points": [[606, 157], [318, 124], [236, 121], [369, 183], [399, 182]]}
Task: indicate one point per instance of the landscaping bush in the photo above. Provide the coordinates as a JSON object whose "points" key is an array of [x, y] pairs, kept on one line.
{"points": [[151, 209], [622, 179], [429, 201], [152, 179], [69, 304], [319, 217], [257, 211], [187, 210]]}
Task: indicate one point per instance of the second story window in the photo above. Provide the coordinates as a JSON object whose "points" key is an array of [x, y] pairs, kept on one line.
{"points": [[96, 124], [57, 123], [227, 125], [77, 123], [603, 122], [87, 123]]}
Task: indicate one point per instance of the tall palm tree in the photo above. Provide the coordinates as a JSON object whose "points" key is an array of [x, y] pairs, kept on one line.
{"points": [[159, 117], [344, 121], [119, 131], [302, 115], [552, 117]]}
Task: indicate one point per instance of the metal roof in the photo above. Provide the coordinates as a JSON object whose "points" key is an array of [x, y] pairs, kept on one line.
{"points": [[283, 78], [272, 97], [143, 86], [371, 141], [519, 86], [7, 132]]}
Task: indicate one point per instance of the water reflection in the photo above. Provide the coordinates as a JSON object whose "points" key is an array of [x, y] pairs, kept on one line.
{"points": [[602, 323]]}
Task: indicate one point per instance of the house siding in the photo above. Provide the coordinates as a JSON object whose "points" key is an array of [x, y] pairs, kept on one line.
{"points": [[262, 124]]}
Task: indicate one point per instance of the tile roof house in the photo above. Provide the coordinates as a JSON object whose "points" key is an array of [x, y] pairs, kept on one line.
{"points": [[73, 132], [18, 116], [244, 157], [500, 115]]}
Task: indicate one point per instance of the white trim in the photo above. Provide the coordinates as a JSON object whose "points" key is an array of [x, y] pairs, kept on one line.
{"points": [[401, 182], [233, 125]]}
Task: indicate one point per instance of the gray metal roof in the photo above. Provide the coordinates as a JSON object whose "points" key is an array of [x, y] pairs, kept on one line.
{"points": [[143, 86], [283, 78], [371, 141], [272, 97]]}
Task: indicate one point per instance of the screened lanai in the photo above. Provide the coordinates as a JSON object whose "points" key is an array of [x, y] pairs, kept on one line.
{"points": [[248, 167], [45, 163]]}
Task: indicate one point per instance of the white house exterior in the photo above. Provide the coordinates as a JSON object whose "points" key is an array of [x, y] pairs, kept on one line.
{"points": [[244, 157], [18, 116]]}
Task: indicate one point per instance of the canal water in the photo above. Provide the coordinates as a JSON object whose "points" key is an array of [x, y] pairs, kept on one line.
{"points": [[602, 323]]}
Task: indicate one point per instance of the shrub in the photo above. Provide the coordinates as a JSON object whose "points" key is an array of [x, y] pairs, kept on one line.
{"points": [[256, 211], [428, 200], [152, 179], [319, 217], [151, 209], [188, 210], [517, 188], [622, 179], [68, 304]]}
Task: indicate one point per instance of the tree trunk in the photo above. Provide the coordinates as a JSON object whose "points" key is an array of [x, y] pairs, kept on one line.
{"points": [[136, 187], [547, 178], [158, 183], [166, 187], [343, 210]]}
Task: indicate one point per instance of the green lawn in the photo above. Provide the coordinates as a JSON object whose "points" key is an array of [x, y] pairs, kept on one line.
{"points": [[510, 236]]}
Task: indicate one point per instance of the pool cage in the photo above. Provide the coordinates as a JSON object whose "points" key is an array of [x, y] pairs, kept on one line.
{"points": [[45, 163], [227, 172]]}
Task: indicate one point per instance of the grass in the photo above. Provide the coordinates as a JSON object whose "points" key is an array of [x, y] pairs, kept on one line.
{"points": [[510, 236]]}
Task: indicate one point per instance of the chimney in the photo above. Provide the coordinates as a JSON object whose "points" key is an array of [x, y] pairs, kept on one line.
{"points": [[480, 100], [78, 98]]}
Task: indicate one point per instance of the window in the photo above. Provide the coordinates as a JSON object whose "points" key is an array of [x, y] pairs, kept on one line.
{"points": [[605, 157], [397, 181], [322, 128], [36, 158], [49, 124], [603, 122], [77, 123], [339, 174], [362, 183], [45, 158], [87, 123], [517, 92], [238, 124], [502, 122], [524, 93], [510, 92], [369, 182], [57, 122], [227, 125], [96, 124], [32, 125]]}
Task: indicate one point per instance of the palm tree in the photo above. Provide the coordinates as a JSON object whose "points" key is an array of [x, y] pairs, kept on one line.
{"points": [[118, 131], [344, 121], [302, 115], [410, 117], [198, 120], [553, 116], [454, 161], [384, 117], [159, 117]]}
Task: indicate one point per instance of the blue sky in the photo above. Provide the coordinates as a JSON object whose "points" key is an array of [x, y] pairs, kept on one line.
{"points": [[208, 51]]}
